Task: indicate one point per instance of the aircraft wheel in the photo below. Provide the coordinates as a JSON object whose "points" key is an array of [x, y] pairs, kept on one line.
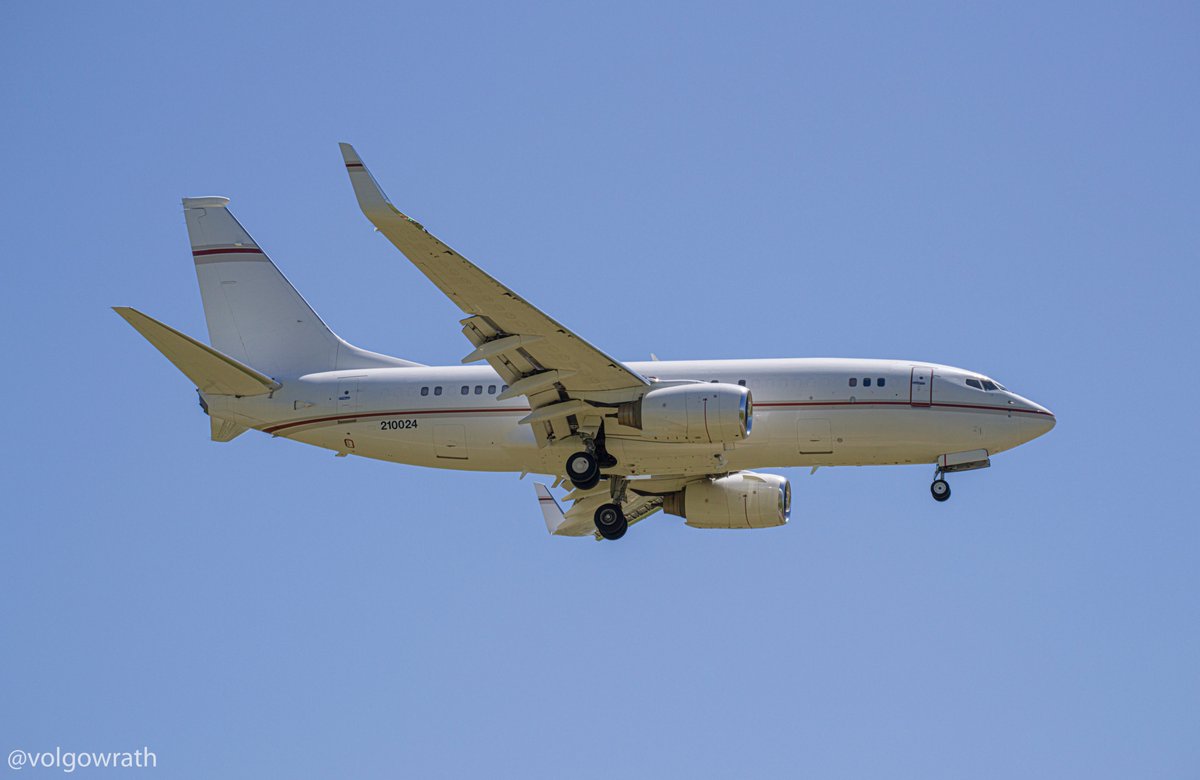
{"points": [[610, 522], [940, 489], [583, 470]]}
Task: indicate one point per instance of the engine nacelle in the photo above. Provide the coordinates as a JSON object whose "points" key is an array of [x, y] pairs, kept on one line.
{"points": [[709, 413], [742, 500]]}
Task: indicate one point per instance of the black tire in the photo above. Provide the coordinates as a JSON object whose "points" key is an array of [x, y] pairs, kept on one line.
{"points": [[583, 470], [940, 490], [610, 522]]}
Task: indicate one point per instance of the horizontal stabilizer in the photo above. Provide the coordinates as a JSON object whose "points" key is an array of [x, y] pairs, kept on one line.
{"points": [[225, 430], [209, 370]]}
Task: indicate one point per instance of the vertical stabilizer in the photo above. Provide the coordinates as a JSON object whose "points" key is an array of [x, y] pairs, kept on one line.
{"points": [[254, 314]]}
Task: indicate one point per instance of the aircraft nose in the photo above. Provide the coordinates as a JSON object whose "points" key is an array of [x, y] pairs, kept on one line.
{"points": [[1039, 424]]}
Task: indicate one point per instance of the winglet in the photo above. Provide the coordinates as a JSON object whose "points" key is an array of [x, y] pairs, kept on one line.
{"points": [[551, 511], [370, 195]]}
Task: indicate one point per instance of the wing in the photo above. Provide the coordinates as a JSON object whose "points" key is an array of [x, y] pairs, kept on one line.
{"points": [[559, 372]]}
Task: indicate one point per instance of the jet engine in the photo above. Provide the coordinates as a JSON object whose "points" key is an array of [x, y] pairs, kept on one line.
{"points": [[710, 413], [742, 500]]}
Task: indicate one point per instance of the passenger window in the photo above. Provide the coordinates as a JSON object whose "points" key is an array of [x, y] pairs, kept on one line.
{"points": [[975, 384], [854, 381], [742, 382], [466, 389], [491, 389], [503, 388], [478, 389], [712, 381], [437, 390], [867, 381], [880, 381], [424, 391]]}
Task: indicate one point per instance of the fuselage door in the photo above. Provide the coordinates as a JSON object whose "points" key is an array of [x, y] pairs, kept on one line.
{"points": [[347, 397], [920, 387]]}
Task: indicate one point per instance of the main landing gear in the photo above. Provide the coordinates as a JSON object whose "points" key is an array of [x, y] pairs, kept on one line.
{"points": [[583, 468], [940, 487], [610, 522]]}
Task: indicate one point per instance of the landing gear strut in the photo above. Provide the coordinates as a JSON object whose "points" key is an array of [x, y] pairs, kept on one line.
{"points": [[610, 521], [940, 487]]}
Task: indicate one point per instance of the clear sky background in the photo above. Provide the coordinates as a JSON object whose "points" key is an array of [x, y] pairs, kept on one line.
{"points": [[1008, 190]]}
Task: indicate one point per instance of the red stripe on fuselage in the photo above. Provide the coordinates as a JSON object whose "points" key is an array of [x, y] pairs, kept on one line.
{"points": [[945, 404], [514, 410], [401, 413]]}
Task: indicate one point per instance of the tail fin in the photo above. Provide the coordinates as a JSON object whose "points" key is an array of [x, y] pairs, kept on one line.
{"points": [[254, 314]]}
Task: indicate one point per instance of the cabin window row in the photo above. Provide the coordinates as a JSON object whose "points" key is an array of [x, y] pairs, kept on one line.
{"points": [[466, 390], [866, 381]]}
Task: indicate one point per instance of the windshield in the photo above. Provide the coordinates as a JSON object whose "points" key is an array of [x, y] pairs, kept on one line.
{"points": [[985, 384]]}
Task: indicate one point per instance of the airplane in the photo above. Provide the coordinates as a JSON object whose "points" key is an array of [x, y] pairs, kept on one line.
{"points": [[630, 438]]}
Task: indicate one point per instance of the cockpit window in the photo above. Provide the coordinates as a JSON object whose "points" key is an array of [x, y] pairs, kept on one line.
{"points": [[989, 384], [975, 384]]}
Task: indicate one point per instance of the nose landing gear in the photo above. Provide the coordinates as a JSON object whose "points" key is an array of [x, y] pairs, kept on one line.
{"points": [[940, 487]]}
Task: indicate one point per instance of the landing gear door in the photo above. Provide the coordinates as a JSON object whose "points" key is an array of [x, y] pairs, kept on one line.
{"points": [[920, 387]]}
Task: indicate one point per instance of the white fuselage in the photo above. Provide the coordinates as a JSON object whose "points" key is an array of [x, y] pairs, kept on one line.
{"points": [[806, 413]]}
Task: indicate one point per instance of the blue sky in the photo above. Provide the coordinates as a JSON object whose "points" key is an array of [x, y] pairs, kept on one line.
{"points": [[1012, 190]]}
